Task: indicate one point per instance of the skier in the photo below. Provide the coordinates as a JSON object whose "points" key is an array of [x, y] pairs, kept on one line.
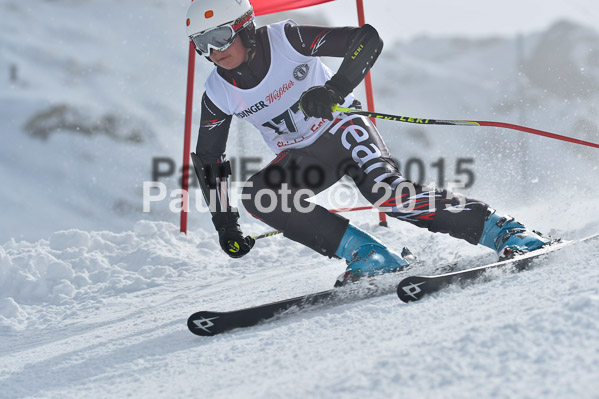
{"points": [[273, 78]]}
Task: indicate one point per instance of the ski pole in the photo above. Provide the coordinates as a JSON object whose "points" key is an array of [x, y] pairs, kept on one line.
{"points": [[270, 234], [424, 121]]}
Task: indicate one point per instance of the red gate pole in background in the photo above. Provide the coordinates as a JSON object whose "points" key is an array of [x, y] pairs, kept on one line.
{"points": [[187, 139], [369, 91]]}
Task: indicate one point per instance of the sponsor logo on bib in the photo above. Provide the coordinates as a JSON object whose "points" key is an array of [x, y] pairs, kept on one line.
{"points": [[301, 71], [278, 94]]}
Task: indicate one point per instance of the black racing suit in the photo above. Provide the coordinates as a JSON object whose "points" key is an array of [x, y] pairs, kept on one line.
{"points": [[352, 147]]}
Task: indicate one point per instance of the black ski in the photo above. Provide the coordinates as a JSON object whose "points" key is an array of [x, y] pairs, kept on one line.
{"points": [[413, 288], [208, 323]]}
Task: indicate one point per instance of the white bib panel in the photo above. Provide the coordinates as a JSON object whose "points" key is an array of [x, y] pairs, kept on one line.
{"points": [[273, 105]]}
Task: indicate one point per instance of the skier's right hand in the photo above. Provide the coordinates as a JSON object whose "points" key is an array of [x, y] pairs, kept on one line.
{"points": [[233, 242], [230, 237]]}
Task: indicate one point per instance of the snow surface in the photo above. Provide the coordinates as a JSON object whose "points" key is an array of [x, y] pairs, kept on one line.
{"points": [[94, 293], [102, 314]]}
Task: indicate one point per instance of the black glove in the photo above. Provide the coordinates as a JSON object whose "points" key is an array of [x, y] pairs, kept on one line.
{"points": [[230, 237], [318, 101]]}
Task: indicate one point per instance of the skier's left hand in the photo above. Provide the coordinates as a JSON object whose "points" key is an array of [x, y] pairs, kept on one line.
{"points": [[318, 101]]}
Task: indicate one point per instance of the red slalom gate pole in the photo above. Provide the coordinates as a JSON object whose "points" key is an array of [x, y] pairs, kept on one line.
{"points": [[368, 79], [187, 138], [369, 91]]}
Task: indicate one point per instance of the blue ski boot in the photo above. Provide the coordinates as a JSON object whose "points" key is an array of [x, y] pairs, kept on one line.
{"points": [[366, 256], [510, 238]]}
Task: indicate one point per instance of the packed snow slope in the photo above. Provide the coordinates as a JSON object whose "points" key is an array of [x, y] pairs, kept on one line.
{"points": [[102, 314], [94, 292]]}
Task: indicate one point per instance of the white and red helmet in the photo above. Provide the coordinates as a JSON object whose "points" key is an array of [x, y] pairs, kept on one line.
{"points": [[213, 24]]}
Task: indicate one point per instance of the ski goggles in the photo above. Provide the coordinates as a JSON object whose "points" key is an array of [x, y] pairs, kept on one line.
{"points": [[220, 37]]}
